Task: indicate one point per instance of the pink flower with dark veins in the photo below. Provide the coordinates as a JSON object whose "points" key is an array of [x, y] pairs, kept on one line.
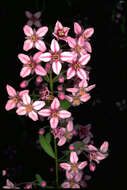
{"points": [[60, 32], [54, 113], [31, 65], [76, 67], [56, 57], [15, 98], [34, 38], [29, 107], [34, 19]]}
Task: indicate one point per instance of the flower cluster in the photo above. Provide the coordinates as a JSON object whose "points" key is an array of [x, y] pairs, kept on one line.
{"points": [[60, 79]]}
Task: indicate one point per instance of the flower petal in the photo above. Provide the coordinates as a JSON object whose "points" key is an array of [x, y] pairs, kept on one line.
{"points": [[72, 90], [55, 46], [37, 23], [24, 58], [37, 15], [37, 105], [88, 47], [85, 98], [65, 166], [89, 32], [28, 44], [92, 148], [21, 110], [36, 57], [62, 141], [11, 91], [73, 158], [42, 31], [82, 165], [90, 87], [46, 57], [40, 45], [70, 73], [70, 126], [71, 42], [83, 83], [28, 30], [78, 177], [28, 14], [55, 104], [104, 147], [81, 41], [26, 99], [45, 112], [29, 22], [66, 56], [33, 115], [39, 70], [23, 92], [65, 185], [25, 71], [77, 28], [56, 67], [10, 105], [64, 114], [81, 74], [84, 59], [54, 122]]}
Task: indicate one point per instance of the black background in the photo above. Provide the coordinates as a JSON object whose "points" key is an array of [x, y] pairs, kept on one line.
{"points": [[109, 72]]}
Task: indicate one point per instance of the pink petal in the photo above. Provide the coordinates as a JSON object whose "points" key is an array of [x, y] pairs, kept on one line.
{"points": [[44, 112], [36, 57], [70, 73], [64, 114], [37, 23], [56, 67], [89, 32], [55, 104], [81, 74], [42, 31], [72, 90], [66, 56], [24, 58], [11, 91], [104, 147], [92, 148], [28, 30], [37, 15], [10, 105], [26, 99], [37, 105], [88, 47], [73, 158], [81, 41], [78, 177], [9, 183], [65, 185], [58, 26], [28, 44], [77, 28], [28, 14], [85, 98], [65, 166], [76, 186], [40, 45], [90, 87], [33, 115], [61, 141], [55, 46], [69, 175], [21, 93], [29, 22], [39, 70], [71, 42], [82, 165], [92, 167], [54, 122], [68, 98], [25, 71], [21, 110], [101, 156], [46, 57], [83, 83], [84, 59], [70, 126]]}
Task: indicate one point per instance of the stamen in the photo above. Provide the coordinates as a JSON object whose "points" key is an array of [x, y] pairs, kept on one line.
{"points": [[60, 32], [29, 108]]}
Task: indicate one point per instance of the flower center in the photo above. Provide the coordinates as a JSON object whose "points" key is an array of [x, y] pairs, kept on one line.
{"points": [[55, 57], [33, 38], [60, 32], [29, 108], [78, 48], [31, 64], [82, 92], [54, 114], [15, 99], [67, 135], [76, 100], [74, 168], [94, 155], [76, 65], [85, 36], [33, 19], [72, 183]]}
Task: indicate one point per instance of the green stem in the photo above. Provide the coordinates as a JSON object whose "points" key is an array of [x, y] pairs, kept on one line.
{"points": [[51, 82]]}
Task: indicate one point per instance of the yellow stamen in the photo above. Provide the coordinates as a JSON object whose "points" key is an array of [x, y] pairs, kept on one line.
{"points": [[29, 108], [60, 32], [55, 56]]}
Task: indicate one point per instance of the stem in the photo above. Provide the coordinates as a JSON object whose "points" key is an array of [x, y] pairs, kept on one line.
{"points": [[51, 82]]}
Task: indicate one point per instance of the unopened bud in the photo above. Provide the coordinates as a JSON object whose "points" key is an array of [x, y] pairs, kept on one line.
{"points": [[24, 84]]}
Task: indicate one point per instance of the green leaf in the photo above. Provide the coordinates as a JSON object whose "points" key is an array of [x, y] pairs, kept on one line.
{"points": [[65, 105], [45, 144], [48, 138], [46, 78], [38, 178]]}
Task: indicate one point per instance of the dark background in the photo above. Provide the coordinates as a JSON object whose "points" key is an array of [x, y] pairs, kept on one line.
{"points": [[109, 72]]}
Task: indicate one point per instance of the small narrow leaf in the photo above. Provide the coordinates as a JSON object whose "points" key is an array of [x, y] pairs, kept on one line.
{"points": [[48, 138], [38, 178]]}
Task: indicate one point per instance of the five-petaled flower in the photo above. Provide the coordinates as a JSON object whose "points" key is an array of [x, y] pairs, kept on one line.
{"points": [[34, 19], [34, 38], [30, 108], [55, 113], [56, 57], [31, 65]]}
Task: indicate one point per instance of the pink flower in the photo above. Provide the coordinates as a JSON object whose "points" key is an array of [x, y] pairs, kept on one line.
{"points": [[30, 108], [56, 57], [10, 185], [31, 65], [73, 167], [28, 186], [14, 97], [60, 32], [55, 113], [33, 18], [100, 154], [67, 133], [86, 34], [34, 38], [76, 67]]}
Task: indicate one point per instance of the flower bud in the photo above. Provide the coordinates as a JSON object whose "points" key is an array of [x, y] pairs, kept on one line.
{"points": [[41, 132], [61, 96], [39, 79], [61, 79], [24, 84]]}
